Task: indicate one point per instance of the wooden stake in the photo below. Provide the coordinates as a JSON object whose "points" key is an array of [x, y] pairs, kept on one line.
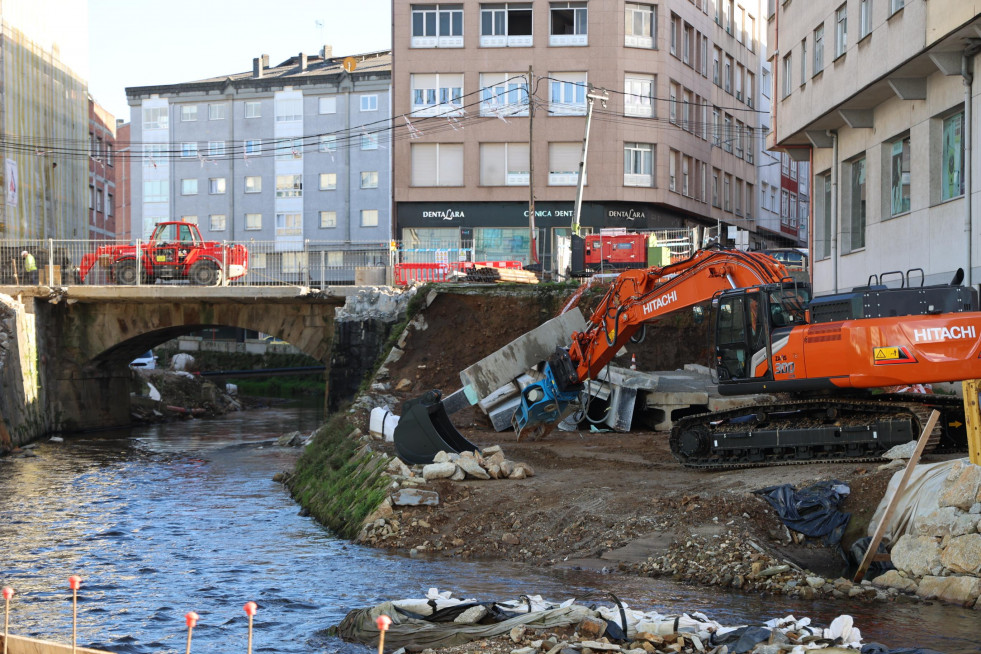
{"points": [[894, 500], [74, 582], [191, 619], [972, 417], [383, 622], [8, 592], [250, 609]]}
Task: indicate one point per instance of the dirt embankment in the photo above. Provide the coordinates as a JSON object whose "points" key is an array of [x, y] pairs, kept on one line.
{"points": [[608, 500]]}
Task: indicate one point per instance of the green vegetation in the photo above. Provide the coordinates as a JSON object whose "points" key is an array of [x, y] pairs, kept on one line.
{"points": [[339, 481]]}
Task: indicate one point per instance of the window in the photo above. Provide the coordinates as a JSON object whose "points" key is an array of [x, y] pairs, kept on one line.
{"points": [[822, 230], [505, 25], [818, 49], [253, 184], [803, 61], [289, 224], [685, 170], [638, 164], [292, 261], [216, 148], [740, 74], [727, 193], [435, 94], [189, 112], [289, 186], [369, 141], [217, 111], [864, 19], [716, 77], [716, 127], [567, 22], [328, 219], [503, 94], [640, 26], [335, 258], [189, 149], [687, 121], [751, 33], [189, 187], [952, 177], [704, 57], [750, 89], [217, 222], [765, 84], [567, 94], [750, 199], [563, 164], [189, 219], [369, 217], [504, 164], [369, 103], [253, 109], [675, 27], [288, 149], [727, 139], [673, 103], [728, 75], [763, 192], [439, 25], [858, 206], [98, 200], [687, 43], [369, 179], [737, 203], [327, 105], [155, 118], [289, 110], [153, 191], [727, 14], [253, 221], [715, 188], [253, 146], [738, 138], [896, 5], [792, 218], [328, 143], [788, 71], [109, 204], [153, 153], [108, 154], [328, 181], [841, 30], [673, 156], [740, 19], [638, 99], [216, 185], [437, 164]]}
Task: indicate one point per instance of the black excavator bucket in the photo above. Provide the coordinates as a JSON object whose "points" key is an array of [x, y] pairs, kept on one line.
{"points": [[425, 429]]}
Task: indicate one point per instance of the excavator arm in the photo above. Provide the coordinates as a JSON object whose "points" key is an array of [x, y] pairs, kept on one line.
{"points": [[636, 297]]}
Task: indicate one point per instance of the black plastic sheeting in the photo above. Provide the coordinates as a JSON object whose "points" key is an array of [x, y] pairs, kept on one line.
{"points": [[857, 553], [813, 511], [876, 648]]}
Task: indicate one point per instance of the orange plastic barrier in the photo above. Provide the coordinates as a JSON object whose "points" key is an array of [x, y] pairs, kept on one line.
{"points": [[411, 273]]}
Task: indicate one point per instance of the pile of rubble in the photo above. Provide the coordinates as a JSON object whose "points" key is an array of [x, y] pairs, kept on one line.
{"points": [[941, 558]]}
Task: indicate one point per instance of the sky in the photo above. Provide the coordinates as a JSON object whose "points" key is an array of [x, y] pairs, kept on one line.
{"points": [[143, 42]]}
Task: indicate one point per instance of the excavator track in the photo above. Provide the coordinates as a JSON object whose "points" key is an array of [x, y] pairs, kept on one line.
{"points": [[813, 431]]}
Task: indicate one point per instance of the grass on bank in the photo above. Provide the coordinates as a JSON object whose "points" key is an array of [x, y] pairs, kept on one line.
{"points": [[339, 480]]}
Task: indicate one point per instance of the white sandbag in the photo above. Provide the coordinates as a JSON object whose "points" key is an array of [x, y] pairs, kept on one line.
{"points": [[920, 498], [382, 423]]}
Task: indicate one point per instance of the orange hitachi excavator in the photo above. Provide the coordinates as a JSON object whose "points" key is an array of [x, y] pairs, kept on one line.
{"points": [[772, 337]]}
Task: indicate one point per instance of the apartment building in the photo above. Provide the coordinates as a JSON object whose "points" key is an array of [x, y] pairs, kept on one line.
{"points": [[292, 154], [102, 174], [878, 95], [491, 102], [43, 118]]}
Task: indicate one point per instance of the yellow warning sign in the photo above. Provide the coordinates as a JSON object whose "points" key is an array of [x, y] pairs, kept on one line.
{"points": [[885, 353]]}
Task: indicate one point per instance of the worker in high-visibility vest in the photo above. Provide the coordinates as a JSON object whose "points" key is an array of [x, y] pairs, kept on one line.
{"points": [[30, 267]]}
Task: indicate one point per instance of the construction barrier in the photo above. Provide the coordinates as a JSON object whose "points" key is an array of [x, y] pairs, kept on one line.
{"points": [[421, 273]]}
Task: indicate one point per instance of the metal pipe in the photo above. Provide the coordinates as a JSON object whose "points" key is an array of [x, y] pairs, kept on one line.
{"points": [[967, 63], [834, 208]]}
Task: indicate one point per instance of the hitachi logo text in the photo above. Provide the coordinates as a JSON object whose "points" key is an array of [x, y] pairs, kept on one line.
{"points": [[943, 333], [661, 302]]}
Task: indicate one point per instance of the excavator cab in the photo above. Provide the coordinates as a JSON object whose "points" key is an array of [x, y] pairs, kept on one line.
{"points": [[748, 321]]}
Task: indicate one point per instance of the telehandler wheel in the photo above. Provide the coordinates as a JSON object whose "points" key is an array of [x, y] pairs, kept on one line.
{"points": [[124, 272], [204, 273]]}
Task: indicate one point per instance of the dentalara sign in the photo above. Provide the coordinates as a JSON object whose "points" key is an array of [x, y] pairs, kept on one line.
{"points": [[547, 214]]}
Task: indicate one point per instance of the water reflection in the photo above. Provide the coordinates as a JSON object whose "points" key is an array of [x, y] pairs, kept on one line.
{"points": [[184, 516]]}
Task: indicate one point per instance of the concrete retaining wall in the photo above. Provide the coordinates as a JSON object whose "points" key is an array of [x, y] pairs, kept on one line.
{"points": [[21, 394]]}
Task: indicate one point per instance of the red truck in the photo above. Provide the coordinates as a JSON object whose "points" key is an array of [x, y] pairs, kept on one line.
{"points": [[175, 251]]}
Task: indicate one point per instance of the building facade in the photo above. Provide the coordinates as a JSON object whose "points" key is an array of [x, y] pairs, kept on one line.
{"points": [[43, 119], [878, 97], [124, 205], [673, 145], [103, 160], [290, 155]]}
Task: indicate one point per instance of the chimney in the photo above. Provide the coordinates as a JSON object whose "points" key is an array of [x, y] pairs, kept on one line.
{"points": [[257, 67], [303, 62], [326, 52], [265, 61]]}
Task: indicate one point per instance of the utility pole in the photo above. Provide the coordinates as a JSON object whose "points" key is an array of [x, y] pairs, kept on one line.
{"points": [[531, 168], [590, 98]]}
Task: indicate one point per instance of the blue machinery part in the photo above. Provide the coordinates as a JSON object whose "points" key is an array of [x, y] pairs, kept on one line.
{"points": [[544, 402]]}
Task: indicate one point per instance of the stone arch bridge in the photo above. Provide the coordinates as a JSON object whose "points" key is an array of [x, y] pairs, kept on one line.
{"points": [[86, 336]]}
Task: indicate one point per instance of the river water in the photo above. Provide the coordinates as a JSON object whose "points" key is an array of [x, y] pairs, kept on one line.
{"points": [[165, 519]]}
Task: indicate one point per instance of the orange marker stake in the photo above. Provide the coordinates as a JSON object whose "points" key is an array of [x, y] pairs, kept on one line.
{"points": [[74, 582], [8, 592], [250, 609], [383, 622], [191, 619]]}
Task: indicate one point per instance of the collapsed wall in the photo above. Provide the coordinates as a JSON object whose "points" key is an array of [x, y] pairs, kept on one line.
{"points": [[940, 556]]}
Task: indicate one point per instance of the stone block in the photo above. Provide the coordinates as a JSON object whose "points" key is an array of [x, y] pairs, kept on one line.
{"points": [[438, 470], [939, 523], [917, 555], [961, 487], [953, 590], [415, 497], [963, 554], [472, 468], [895, 579]]}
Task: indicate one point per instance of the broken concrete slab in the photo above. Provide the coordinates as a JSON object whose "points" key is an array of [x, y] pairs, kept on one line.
{"points": [[415, 497]]}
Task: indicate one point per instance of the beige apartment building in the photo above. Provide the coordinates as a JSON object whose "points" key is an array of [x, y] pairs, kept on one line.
{"points": [[879, 95], [671, 146]]}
